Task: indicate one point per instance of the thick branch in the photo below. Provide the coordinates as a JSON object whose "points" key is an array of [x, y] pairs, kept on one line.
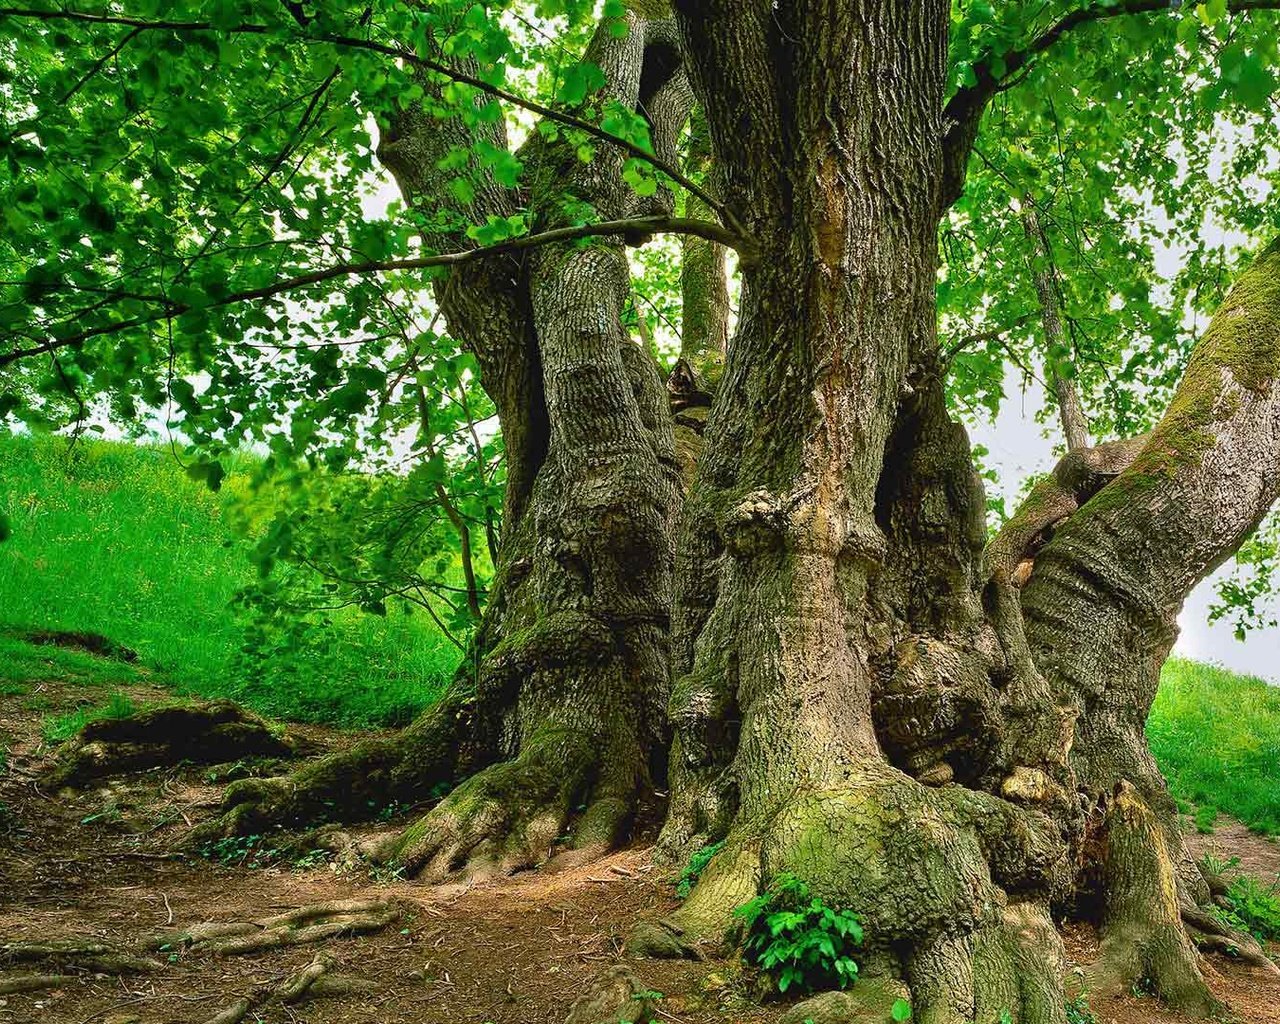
{"points": [[635, 230], [963, 113]]}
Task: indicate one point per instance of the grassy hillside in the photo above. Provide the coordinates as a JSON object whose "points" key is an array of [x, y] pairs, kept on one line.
{"points": [[115, 539], [1216, 736]]}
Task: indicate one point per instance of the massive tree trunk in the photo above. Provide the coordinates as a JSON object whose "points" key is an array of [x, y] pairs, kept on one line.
{"points": [[556, 721], [857, 699], [864, 693]]}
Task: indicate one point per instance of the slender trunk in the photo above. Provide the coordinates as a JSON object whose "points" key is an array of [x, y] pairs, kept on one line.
{"points": [[1075, 425]]}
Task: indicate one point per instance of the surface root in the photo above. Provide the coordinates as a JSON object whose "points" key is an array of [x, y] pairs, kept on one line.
{"points": [[211, 733], [315, 922]]}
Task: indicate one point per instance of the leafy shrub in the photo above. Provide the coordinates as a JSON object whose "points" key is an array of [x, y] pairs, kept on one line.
{"points": [[1254, 908], [698, 862], [1078, 1011], [798, 939]]}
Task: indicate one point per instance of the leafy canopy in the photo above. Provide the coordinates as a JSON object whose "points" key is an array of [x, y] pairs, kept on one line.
{"points": [[198, 236]]}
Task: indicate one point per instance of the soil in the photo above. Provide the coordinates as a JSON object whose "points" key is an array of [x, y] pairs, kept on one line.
{"points": [[99, 864]]}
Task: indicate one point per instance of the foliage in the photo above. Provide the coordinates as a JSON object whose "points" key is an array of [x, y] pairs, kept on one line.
{"points": [[1253, 907], [248, 851], [1079, 1012], [900, 1011], [797, 939], [1248, 595], [698, 861], [197, 238], [63, 727], [1216, 737], [116, 539]]}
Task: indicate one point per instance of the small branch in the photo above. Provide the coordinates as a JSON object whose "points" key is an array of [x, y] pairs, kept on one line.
{"points": [[1075, 425], [409, 57], [634, 230], [995, 334]]}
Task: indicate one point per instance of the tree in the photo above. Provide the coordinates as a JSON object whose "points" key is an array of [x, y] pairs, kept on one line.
{"points": [[852, 684]]}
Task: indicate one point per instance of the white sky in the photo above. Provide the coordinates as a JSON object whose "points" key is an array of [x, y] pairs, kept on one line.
{"points": [[1019, 448]]}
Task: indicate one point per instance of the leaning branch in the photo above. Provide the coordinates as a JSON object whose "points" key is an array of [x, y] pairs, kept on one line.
{"points": [[635, 230], [964, 111], [409, 57]]}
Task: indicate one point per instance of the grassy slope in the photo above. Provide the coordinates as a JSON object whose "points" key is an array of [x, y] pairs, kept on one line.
{"points": [[1216, 736], [115, 539]]}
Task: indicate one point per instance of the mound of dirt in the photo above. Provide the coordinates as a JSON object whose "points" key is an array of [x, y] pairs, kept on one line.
{"points": [[92, 643]]}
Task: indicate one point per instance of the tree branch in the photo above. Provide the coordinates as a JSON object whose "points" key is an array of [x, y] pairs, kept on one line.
{"points": [[635, 230], [963, 113], [409, 57]]}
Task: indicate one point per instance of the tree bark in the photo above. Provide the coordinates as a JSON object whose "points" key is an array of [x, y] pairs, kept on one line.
{"points": [[857, 699], [556, 721]]}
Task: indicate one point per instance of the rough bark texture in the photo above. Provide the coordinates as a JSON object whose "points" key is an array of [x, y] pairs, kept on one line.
{"points": [[858, 700], [831, 651], [943, 737], [561, 704]]}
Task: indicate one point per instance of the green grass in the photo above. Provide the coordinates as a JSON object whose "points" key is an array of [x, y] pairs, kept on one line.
{"points": [[57, 728], [1216, 736], [115, 539], [22, 663]]}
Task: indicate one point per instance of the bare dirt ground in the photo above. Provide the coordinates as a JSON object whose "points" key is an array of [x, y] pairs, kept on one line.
{"points": [[98, 865]]}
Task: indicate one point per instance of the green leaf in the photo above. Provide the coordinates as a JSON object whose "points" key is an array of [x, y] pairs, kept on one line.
{"points": [[900, 1011], [579, 82]]}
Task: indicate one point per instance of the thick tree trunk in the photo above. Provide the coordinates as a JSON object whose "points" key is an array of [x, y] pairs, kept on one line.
{"points": [[857, 700], [862, 695], [831, 652], [556, 721]]}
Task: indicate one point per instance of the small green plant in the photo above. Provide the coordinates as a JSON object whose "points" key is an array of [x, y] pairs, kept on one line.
{"points": [[900, 1011], [1078, 1011], [1211, 865], [311, 859], [62, 727], [239, 851], [1005, 1017], [1254, 908], [698, 862], [390, 811], [799, 940]]}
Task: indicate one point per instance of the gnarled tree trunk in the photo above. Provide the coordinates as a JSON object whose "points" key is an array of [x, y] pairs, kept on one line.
{"points": [[861, 690], [858, 699], [557, 718]]}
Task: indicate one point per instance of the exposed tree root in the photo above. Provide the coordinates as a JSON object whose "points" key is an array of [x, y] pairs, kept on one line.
{"points": [[355, 784], [1144, 942], [510, 815], [1212, 935], [616, 996], [85, 954], [34, 982], [201, 733], [316, 980], [316, 922]]}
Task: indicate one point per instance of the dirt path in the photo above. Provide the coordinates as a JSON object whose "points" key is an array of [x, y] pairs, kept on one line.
{"points": [[97, 865]]}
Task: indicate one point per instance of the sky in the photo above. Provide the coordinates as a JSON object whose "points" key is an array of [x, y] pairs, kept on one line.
{"points": [[1020, 448]]}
